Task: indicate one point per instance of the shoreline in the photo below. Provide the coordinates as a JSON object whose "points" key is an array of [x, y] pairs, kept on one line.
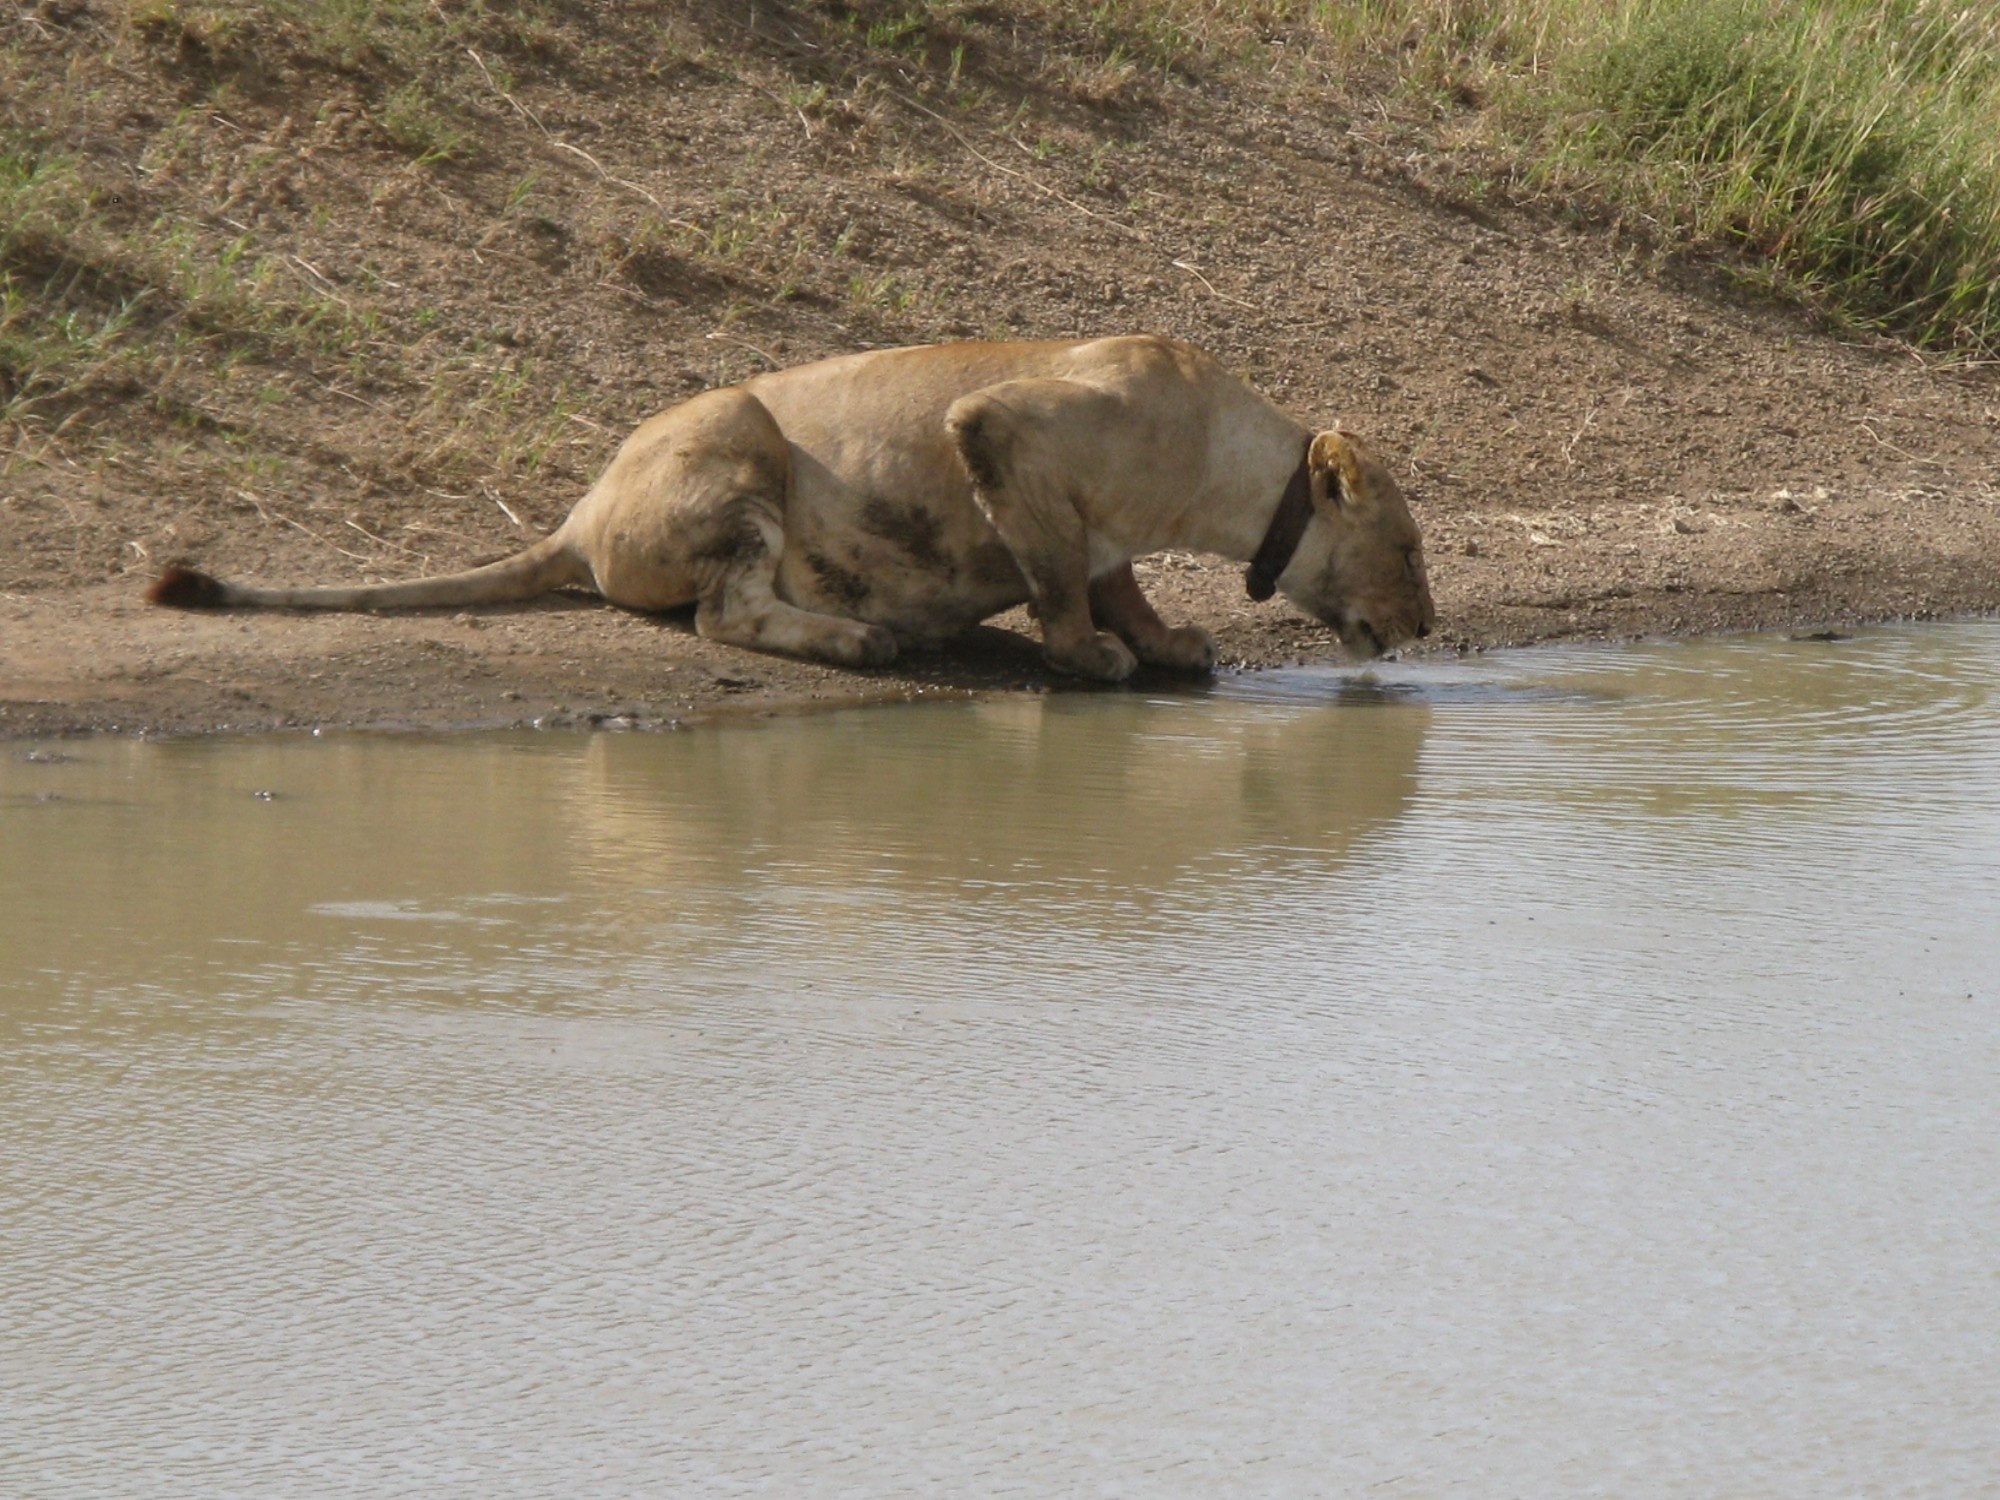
{"points": [[96, 660]]}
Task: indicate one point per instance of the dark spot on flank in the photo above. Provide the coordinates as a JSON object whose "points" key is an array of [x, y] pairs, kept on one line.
{"points": [[981, 448], [766, 474], [736, 540], [994, 566], [844, 586], [916, 529]]}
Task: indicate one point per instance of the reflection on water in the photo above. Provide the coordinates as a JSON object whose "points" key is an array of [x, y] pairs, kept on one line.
{"points": [[1561, 1073]]}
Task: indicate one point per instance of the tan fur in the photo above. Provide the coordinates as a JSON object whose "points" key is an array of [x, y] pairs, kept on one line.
{"points": [[831, 510]]}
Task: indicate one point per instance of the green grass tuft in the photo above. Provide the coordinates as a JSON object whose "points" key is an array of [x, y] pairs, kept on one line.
{"points": [[1850, 149]]}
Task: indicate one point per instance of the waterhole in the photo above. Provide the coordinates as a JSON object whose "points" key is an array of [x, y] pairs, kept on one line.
{"points": [[1559, 1073]]}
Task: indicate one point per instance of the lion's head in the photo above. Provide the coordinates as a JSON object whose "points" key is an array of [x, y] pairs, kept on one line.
{"points": [[1360, 564]]}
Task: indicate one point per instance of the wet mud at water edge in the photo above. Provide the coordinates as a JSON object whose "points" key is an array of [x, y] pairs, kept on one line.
{"points": [[1561, 1072]]}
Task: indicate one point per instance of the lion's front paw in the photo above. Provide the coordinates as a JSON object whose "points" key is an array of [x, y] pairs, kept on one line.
{"points": [[876, 647], [1188, 649], [853, 644], [1102, 657]]}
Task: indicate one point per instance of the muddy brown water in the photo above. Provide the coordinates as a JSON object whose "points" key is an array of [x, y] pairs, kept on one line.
{"points": [[1559, 1073]]}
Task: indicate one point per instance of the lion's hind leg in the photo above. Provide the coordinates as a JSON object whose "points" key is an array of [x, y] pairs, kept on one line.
{"points": [[740, 605], [691, 511]]}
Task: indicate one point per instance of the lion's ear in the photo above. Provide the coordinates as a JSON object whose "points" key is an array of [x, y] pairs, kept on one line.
{"points": [[1336, 469]]}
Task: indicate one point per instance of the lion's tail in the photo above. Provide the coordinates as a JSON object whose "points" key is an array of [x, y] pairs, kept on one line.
{"points": [[549, 564]]}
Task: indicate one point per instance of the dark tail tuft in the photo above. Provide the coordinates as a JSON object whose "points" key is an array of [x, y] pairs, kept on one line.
{"points": [[184, 588]]}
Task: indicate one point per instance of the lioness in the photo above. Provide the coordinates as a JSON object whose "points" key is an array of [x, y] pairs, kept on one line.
{"points": [[836, 509]]}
